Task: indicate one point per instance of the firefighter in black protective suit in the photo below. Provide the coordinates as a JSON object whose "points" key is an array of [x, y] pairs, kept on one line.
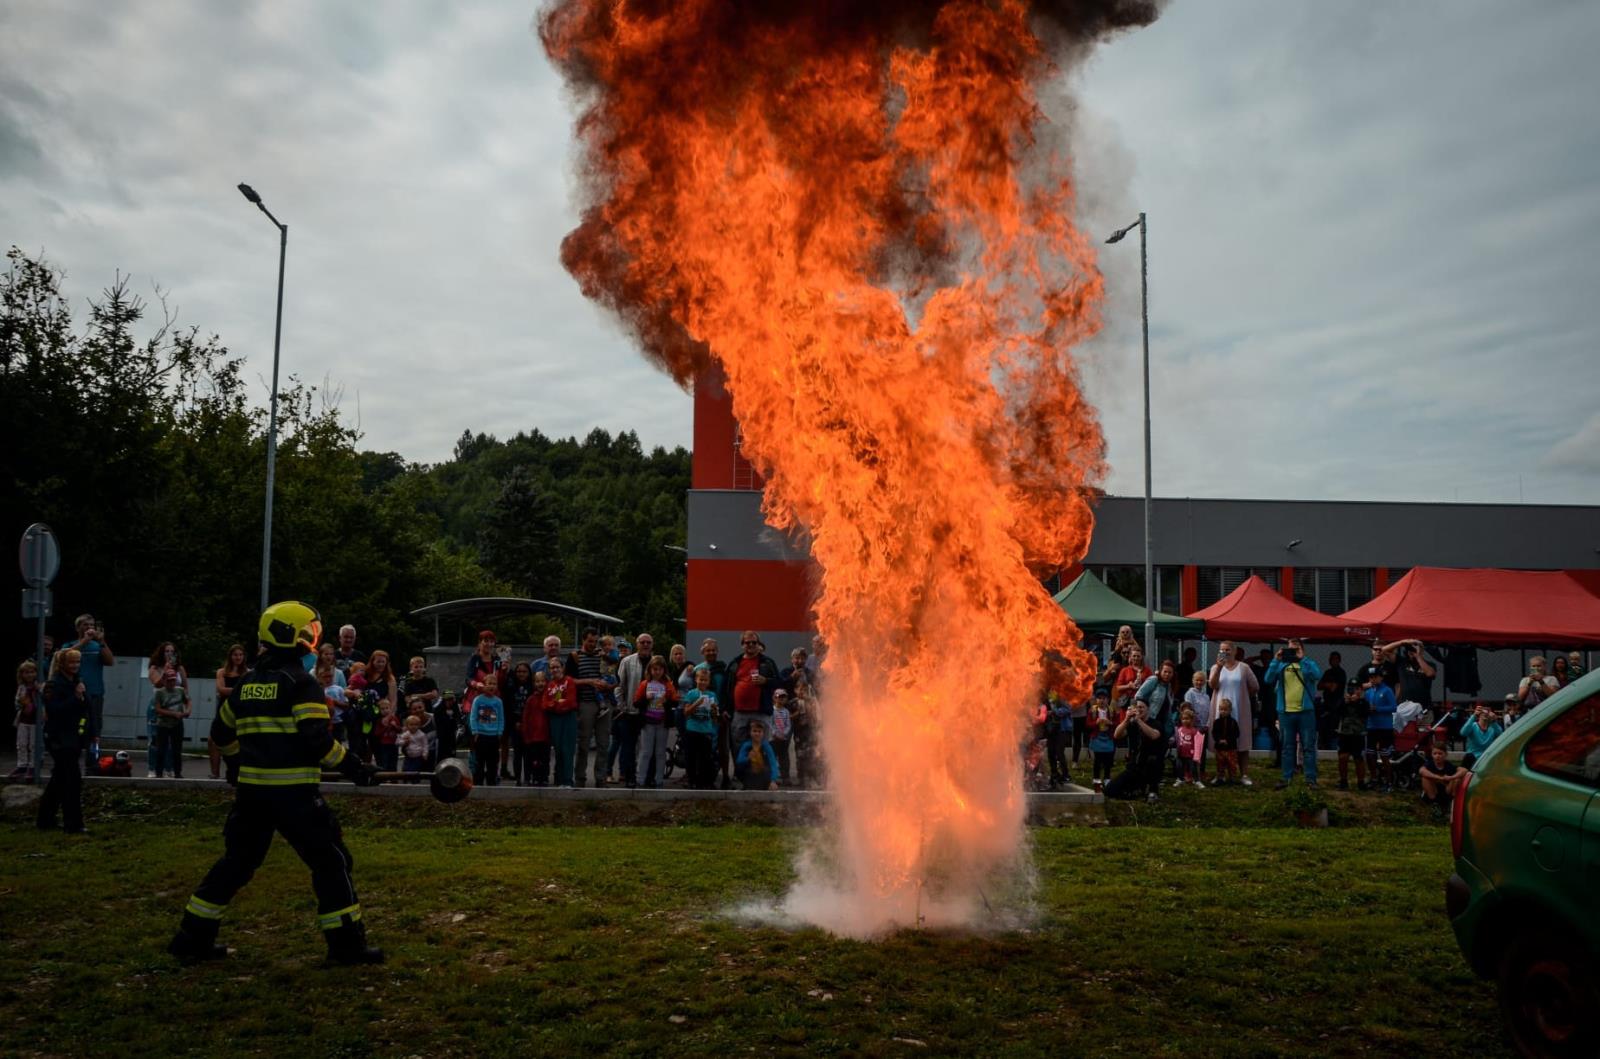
{"points": [[275, 740]]}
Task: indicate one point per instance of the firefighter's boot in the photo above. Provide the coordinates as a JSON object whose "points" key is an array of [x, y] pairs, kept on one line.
{"points": [[347, 946], [196, 940]]}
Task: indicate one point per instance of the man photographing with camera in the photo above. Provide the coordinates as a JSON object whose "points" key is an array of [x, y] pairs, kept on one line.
{"points": [[1295, 677]]}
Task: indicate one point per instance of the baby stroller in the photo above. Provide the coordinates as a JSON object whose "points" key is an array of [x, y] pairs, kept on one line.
{"points": [[1413, 741]]}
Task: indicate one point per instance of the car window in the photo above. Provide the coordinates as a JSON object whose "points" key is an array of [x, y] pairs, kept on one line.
{"points": [[1569, 746]]}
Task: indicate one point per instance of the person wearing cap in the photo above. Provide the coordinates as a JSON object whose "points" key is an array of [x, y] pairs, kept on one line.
{"points": [[782, 731], [1513, 709], [172, 709], [276, 739]]}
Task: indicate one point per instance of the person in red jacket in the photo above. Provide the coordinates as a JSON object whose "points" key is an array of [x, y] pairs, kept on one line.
{"points": [[561, 713], [536, 733]]}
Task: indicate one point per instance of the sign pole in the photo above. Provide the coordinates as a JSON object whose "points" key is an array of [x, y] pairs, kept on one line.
{"points": [[39, 558]]}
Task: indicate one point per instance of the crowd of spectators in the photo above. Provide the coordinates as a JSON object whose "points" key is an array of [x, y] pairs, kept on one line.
{"points": [[604, 712], [610, 712], [1169, 720]]}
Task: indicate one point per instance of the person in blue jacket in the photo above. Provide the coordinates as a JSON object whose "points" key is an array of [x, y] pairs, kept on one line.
{"points": [[755, 764], [1380, 730], [487, 720], [1295, 677]]}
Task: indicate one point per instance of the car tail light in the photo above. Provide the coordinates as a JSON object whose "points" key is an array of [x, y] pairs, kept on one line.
{"points": [[1458, 815]]}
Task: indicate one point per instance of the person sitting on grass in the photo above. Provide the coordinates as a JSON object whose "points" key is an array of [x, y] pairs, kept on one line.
{"points": [[1147, 749], [755, 765], [1190, 741], [1225, 740], [1440, 778]]}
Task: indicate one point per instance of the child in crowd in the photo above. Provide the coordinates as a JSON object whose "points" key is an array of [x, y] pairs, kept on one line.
{"points": [[1191, 742], [1380, 731], [700, 731], [1440, 778], [1351, 729], [172, 707], [1103, 748], [1225, 739], [1198, 699], [488, 725], [446, 724], [536, 733], [413, 744], [26, 718], [388, 737], [803, 724], [333, 693], [782, 732], [416, 706], [360, 714], [654, 700], [755, 764], [1057, 732]]}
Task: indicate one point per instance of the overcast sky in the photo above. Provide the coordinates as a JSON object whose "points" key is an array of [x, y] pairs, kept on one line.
{"points": [[1373, 227]]}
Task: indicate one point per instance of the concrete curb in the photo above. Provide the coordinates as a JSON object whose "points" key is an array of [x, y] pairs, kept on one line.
{"points": [[1037, 800]]}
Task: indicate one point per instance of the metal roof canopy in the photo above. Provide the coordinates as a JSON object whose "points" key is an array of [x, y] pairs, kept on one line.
{"points": [[489, 608]]}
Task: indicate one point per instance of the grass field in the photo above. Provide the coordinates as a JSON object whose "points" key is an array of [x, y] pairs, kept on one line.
{"points": [[1202, 927]]}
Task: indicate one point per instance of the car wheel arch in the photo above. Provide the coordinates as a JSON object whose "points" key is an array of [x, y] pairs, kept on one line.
{"points": [[1500, 925]]}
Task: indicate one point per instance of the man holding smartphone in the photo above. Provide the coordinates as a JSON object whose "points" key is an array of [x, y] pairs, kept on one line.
{"points": [[1296, 677], [91, 644]]}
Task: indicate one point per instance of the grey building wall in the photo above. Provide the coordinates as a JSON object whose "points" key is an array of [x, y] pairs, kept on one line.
{"points": [[727, 524]]}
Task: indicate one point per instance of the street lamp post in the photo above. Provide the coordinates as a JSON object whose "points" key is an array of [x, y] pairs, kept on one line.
{"points": [[1144, 311], [272, 414]]}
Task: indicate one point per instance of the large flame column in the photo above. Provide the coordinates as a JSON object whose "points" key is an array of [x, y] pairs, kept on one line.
{"points": [[850, 209]]}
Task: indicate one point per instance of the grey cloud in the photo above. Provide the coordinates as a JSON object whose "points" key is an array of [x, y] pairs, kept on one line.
{"points": [[1370, 226]]}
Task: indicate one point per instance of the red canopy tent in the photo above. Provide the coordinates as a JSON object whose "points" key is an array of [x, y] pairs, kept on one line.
{"points": [[1589, 579], [1484, 608], [1257, 612]]}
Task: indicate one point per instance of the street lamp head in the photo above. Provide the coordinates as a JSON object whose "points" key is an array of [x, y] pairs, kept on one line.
{"points": [[1295, 543], [250, 193], [1116, 236]]}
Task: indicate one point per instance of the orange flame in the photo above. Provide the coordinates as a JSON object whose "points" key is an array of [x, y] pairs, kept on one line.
{"points": [[850, 209]]}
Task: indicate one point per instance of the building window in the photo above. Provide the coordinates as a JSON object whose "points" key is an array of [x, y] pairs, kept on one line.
{"points": [[1358, 587], [1128, 582], [1332, 590], [1217, 581], [1305, 587]]}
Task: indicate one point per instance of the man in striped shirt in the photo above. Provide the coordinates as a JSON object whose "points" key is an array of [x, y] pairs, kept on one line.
{"points": [[585, 666]]}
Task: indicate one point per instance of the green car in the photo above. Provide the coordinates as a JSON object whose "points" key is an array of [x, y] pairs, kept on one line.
{"points": [[1525, 897]]}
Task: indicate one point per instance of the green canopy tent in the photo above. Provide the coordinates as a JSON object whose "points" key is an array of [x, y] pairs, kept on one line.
{"points": [[1097, 610]]}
